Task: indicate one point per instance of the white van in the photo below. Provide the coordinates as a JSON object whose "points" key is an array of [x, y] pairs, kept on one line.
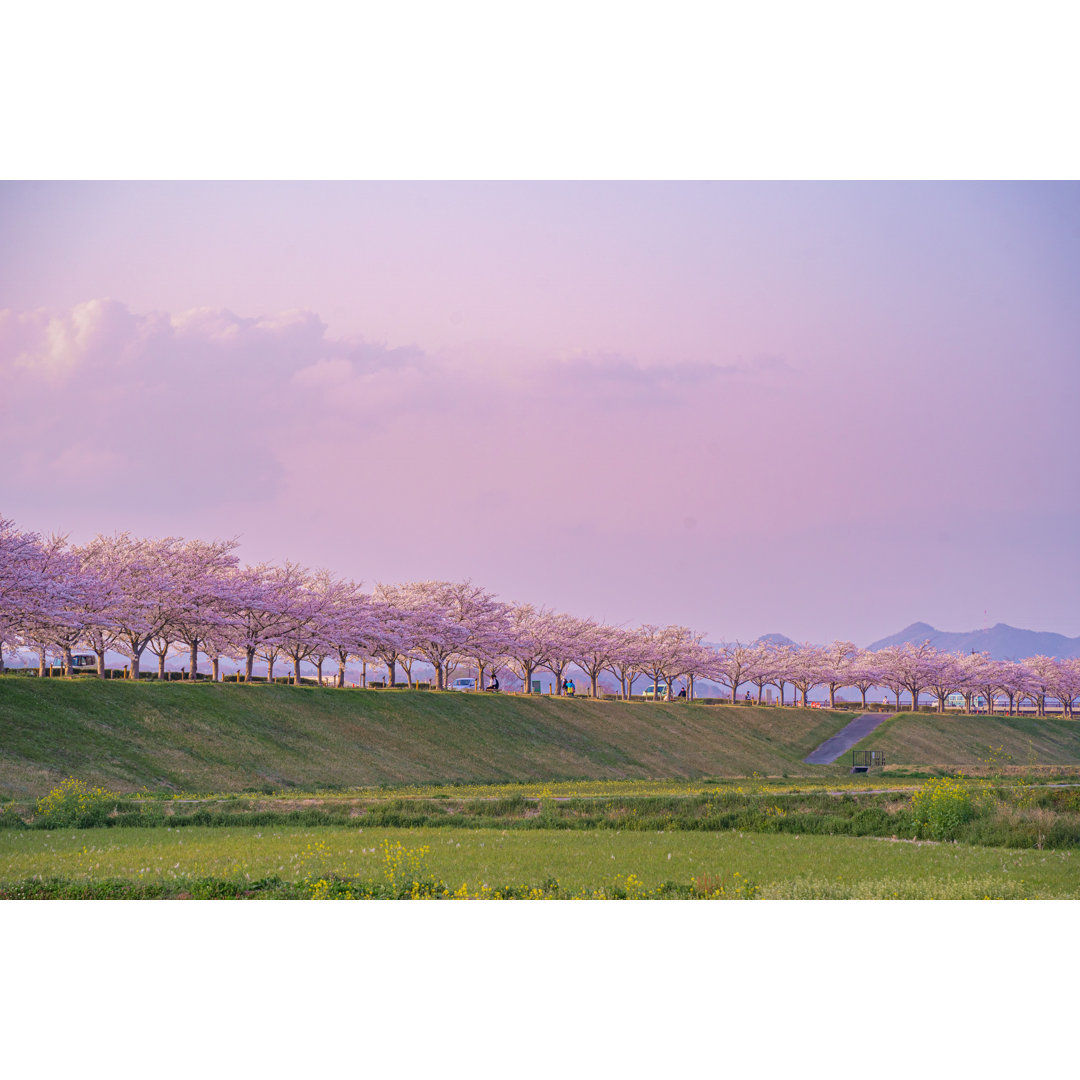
{"points": [[463, 684], [655, 690]]}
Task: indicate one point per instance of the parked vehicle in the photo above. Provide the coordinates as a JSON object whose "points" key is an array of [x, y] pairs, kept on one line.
{"points": [[463, 684], [655, 690]]}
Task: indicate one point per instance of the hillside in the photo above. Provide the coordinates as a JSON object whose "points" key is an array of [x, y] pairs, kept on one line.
{"points": [[976, 743], [218, 737]]}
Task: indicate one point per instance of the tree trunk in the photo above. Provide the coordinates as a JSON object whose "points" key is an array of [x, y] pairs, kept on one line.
{"points": [[41, 664], [341, 675], [67, 661], [270, 667], [193, 659], [136, 656], [161, 668], [391, 673], [249, 664], [215, 669]]}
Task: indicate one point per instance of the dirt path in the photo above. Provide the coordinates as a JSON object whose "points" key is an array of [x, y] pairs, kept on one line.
{"points": [[845, 738]]}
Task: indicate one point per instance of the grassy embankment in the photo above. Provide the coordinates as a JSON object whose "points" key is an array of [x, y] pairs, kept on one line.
{"points": [[226, 738], [977, 745], [511, 796]]}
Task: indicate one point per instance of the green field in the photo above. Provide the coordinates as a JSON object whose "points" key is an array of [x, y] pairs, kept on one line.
{"points": [[255, 791], [730, 865]]}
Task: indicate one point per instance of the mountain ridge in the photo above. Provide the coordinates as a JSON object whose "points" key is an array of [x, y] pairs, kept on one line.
{"points": [[1001, 642]]}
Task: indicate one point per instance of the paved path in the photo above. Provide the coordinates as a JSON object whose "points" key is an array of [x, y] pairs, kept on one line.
{"points": [[846, 738]]}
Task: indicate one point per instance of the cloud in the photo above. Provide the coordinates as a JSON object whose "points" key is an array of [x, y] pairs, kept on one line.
{"points": [[210, 408], [613, 368]]}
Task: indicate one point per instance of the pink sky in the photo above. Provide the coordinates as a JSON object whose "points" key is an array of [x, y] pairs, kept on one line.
{"points": [[825, 410]]}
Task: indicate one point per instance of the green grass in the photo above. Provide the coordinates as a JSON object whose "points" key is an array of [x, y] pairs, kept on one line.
{"points": [[977, 744], [775, 866], [222, 738]]}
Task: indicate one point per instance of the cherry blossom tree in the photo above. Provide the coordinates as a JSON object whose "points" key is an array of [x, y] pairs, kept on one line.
{"points": [[653, 654], [1066, 684], [865, 672], [310, 630], [559, 636], [1042, 674], [784, 661], [485, 619], [688, 657], [361, 626], [889, 671], [983, 676], [763, 667], [840, 659], [626, 658], [205, 572], [266, 604], [439, 623], [526, 646], [914, 667], [53, 624], [733, 666], [810, 665], [944, 675], [143, 589], [1016, 683], [399, 647], [32, 590]]}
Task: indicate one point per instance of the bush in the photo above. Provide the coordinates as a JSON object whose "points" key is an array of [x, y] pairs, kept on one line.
{"points": [[72, 804], [942, 807]]}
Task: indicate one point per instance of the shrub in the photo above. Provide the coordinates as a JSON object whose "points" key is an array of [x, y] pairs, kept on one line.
{"points": [[72, 804], [942, 807]]}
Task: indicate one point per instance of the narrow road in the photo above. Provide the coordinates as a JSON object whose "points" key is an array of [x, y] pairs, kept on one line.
{"points": [[845, 738]]}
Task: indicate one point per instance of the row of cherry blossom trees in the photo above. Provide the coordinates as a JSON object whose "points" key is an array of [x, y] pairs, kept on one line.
{"points": [[167, 595]]}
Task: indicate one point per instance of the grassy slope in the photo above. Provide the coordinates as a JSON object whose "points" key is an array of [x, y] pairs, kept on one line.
{"points": [[975, 742], [227, 737]]}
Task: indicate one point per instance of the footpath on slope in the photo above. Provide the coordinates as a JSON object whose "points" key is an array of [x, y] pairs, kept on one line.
{"points": [[845, 738]]}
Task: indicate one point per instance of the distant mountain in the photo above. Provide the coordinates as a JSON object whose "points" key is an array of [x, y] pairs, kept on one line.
{"points": [[1002, 642], [765, 639]]}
